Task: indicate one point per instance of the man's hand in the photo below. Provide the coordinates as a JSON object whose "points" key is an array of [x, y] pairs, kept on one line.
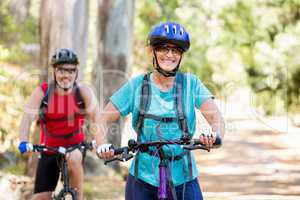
{"points": [[25, 147]]}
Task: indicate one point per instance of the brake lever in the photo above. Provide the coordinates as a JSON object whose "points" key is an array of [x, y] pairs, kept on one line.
{"points": [[110, 160], [122, 158], [127, 157]]}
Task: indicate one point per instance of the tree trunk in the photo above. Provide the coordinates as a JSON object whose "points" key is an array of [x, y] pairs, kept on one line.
{"points": [[63, 24], [114, 31]]}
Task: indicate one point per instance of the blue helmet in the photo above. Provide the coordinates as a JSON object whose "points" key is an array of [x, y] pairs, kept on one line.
{"points": [[170, 32]]}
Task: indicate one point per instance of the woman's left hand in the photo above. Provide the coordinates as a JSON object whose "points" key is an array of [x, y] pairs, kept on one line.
{"points": [[208, 140]]}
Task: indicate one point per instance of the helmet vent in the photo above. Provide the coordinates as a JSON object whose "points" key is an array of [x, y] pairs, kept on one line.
{"points": [[181, 31], [57, 55], [174, 29], [64, 56], [169, 32], [166, 28]]}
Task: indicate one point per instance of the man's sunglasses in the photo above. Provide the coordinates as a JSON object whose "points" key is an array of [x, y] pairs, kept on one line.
{"points": [[63, 70]]}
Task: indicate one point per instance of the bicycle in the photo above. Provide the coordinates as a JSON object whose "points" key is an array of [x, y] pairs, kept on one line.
{"points": [[66, 192], [133, 146]]}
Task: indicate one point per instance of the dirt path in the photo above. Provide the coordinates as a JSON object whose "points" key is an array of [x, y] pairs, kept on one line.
{"points": [[253, 165]]}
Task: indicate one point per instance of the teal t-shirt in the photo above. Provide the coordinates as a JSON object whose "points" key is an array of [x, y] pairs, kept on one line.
{"points": [[127, 100]]}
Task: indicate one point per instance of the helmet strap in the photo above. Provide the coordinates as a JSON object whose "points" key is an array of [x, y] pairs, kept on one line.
{"points": [[162, 71]]}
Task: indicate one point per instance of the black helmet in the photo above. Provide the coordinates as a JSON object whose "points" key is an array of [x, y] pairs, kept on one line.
{"points": [[64, 56]]}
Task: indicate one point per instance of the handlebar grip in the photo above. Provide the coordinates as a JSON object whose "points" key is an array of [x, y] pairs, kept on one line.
{"points": [[118, 151], [218, 142], [197, 142], [89, 145]]}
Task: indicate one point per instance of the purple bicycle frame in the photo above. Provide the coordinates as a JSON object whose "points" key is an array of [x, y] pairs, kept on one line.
{"points": [[163, 184]]}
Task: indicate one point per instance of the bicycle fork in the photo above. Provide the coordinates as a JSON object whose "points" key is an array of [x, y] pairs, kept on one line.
{"points": [[65, 176]]}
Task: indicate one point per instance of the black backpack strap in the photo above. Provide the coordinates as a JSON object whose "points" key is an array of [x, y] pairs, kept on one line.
{"points": [[45, 100], [64, 118], [144, 106], [169, 158], [180, 80], [64, 136], [171, 188], [48, 94], [78, 98], [179, 104], [144, 102], [161, 119]]}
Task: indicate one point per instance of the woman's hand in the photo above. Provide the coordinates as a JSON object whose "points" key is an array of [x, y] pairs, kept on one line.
{"points": [[207, 140], [105, 151]]}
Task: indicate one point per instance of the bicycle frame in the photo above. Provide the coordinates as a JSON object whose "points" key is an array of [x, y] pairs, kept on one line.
{"points": [[65, 179], [67, 189]]}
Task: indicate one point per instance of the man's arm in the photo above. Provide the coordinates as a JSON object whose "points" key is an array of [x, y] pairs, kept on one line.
{"points": [[31, 111]]}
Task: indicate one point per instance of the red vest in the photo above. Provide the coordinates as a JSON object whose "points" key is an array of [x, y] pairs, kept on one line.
{"points": [[62, 123]]}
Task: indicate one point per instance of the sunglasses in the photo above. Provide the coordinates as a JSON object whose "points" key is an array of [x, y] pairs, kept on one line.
{"points": [[164, 49], [62, 70]]}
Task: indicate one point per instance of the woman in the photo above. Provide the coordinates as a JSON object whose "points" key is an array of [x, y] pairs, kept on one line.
{"points": [[163, 105]]}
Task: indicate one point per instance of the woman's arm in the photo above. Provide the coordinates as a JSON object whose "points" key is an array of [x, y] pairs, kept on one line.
{"points": [[109, 115], [100, 119], [213, 116]]}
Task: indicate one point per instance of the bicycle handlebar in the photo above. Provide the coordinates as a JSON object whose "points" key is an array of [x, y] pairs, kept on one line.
{"points": [[64, 150], [188, 144]]}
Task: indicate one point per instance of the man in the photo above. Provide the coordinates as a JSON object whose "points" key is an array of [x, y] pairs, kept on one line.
{"points": [[62, 106]]}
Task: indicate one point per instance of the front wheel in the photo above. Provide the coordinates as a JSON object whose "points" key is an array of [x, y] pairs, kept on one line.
{"points": [[66, 195]]}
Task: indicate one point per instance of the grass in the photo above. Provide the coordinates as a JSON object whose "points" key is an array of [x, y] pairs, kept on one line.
{"points": [[104, 187]]}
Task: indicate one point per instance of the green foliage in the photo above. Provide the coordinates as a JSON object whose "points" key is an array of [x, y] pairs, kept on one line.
{"points": [[107, 187], [19, 168], [15, 87], [14, 35], [6, 23], [258, 40], [294, 90], [14, 54]]}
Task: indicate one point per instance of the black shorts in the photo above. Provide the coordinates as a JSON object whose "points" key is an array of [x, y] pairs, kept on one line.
{"points": [[47, 173]]}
